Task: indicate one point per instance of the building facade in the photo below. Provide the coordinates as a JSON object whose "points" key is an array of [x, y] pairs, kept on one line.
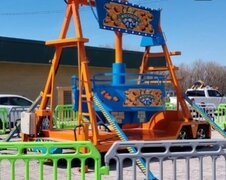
{"points": [[24, 65]]}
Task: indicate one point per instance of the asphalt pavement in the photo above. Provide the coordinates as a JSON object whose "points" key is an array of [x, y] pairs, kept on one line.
{"points": [[48, 168]]}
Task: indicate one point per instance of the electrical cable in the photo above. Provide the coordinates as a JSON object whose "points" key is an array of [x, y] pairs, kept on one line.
{"points": [[96, 17], [30, 13]]}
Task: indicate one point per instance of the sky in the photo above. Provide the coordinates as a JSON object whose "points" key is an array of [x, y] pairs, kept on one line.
{"points": [[196, 28]]}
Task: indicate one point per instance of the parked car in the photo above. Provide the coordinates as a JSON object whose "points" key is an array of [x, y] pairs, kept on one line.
{"points": [[15, 104], [203, 94], [206, 95], [10, 100]]}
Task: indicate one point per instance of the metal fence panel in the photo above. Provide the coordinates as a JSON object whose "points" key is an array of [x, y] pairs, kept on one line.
{"points": [[208, 108], [14, 115], [3, 120], [193, 159], [65, 117], [220, 118], [170, 106], [16, 164]]}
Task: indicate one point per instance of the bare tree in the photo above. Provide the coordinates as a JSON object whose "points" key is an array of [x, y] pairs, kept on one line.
{"points": [[184, 74], [210, 73]]}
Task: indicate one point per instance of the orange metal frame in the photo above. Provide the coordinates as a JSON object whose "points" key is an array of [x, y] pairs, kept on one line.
{"points": [[83, 71], [72, 11], [88, 130], [144, 67]]}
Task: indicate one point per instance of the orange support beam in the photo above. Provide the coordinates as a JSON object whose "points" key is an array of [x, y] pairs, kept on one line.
{"points": [[118, 47], [84, 79], [169, 67], [162, 54], [68, 42], [180, 99]]}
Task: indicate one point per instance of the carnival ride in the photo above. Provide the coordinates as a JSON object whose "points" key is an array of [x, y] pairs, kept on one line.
{"points": [[128, 106]]}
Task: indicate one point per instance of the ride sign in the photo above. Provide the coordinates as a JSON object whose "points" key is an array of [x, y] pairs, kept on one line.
{"points": [[129, 18]]}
